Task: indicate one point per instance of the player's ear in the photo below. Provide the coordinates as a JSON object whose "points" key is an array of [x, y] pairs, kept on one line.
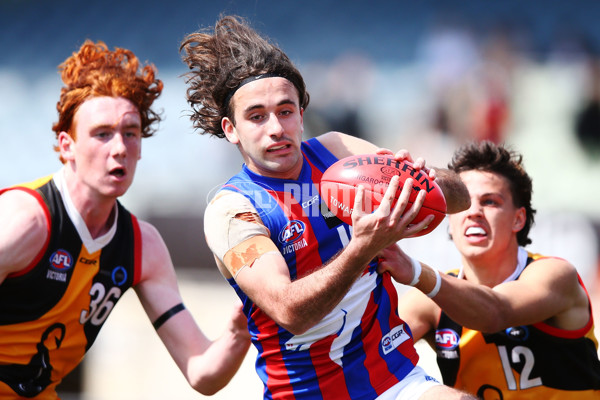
{"points": [[520, 219], [66, 146], [229, 130]]}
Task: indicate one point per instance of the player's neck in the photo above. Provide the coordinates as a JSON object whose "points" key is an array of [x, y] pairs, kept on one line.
{"points": [[98, 223], [491, 269], [96, 211]]}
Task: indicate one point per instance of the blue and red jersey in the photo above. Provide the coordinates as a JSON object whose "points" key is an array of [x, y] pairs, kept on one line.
{"points": [[362, 347]]}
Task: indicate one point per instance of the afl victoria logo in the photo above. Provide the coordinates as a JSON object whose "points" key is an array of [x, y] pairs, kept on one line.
{"points": [[61, 260], [446, 339], [292, 232]]}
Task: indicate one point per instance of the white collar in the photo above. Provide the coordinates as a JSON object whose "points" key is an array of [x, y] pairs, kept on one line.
{"points": [[92, 245], [521, 264]]}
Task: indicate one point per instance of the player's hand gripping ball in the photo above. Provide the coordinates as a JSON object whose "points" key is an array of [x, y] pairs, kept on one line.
{"points": [[374, 172]]}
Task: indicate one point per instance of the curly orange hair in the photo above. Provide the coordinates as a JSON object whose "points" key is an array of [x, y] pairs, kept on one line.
{"points": [[96, 71]]}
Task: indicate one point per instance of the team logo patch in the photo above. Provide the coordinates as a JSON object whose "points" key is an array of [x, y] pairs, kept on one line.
{"points": [[61, 260], [446, 339], [292, 232], [119, 275], [393, 339], [517, 333]]}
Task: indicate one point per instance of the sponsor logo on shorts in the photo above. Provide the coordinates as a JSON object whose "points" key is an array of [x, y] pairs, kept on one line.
{"points": [[394, 338]]}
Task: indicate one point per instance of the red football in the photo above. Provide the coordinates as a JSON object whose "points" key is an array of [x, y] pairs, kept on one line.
{"points": [[374, 172]]}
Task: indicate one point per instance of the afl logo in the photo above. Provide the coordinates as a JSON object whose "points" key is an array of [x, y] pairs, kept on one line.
{"points": [[61, 260], [446, 339], [292, 232]]}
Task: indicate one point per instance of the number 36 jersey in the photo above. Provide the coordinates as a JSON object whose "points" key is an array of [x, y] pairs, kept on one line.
{"points": [[523, 362], [51, 312]]}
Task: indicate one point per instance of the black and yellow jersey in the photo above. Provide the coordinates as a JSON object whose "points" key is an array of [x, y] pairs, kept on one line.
{"points": [[522, 362], [52, 311]]}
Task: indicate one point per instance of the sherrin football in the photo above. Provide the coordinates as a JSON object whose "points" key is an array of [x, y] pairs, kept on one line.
{"points": [[374, 172]]}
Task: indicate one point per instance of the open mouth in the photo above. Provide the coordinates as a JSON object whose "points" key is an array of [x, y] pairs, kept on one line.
{"points": [[118, 172], [475, 231]]}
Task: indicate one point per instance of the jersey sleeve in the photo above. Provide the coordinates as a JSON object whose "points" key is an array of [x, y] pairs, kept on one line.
{"points": [[225, 225]]}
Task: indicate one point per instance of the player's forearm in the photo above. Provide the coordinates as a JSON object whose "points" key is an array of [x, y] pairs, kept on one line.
{"points": [[472, 306], [310, 298], [213, 370]]}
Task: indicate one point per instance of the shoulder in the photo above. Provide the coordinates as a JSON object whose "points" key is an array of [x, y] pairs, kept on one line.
{"points": [[154, 249], [25, 229], [557, 275], [156, 260], [547, 265], [153, 244], [225, 206], [557, 272], [228, 203], [20, 210], [342, 145], [563, 285], [230, 219], [19, 199]]}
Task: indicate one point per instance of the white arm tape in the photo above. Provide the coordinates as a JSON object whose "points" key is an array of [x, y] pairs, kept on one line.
{"points": [[416, 268], [223, 231], [438, 285]]}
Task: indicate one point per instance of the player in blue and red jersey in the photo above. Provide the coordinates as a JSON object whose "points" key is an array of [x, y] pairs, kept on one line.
{"points": [[325, 323]]}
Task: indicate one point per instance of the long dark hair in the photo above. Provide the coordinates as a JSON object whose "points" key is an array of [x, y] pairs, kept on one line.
{"points": [[221, 60]]}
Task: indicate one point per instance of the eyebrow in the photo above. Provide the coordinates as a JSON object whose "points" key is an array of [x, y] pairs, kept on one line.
{"points": [[257, 106], [492, 194], [112, 126]]}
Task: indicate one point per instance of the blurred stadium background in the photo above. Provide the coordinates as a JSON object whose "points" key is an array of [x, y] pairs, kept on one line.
{"points": [[425, 75]]}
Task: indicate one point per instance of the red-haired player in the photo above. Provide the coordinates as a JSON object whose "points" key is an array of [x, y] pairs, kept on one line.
{"points": [[69, 249]]}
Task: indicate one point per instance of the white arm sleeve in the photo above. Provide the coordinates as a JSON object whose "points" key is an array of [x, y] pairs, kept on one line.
{"points": [[222, 229]]}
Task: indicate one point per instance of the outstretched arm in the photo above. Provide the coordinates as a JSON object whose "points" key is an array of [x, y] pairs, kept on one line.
{"points": [[548, 290], [207, 365]]}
